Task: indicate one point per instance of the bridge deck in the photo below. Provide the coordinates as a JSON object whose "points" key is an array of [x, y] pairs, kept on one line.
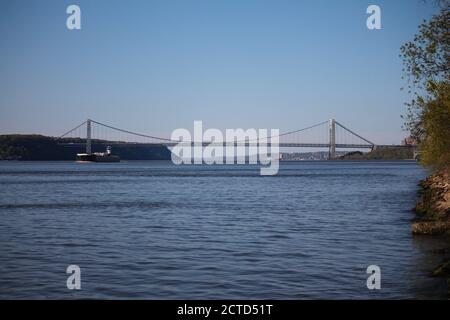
{"points": [[281, 145]]}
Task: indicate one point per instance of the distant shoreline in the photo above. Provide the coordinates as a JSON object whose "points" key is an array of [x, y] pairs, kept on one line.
{"points": [[44, 148]]}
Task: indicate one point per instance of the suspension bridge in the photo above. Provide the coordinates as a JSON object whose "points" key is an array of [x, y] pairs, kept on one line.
{"points": [[329, 134]]}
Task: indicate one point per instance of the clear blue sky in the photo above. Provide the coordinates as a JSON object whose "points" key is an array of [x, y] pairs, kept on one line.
{"points": [[153, 66]]}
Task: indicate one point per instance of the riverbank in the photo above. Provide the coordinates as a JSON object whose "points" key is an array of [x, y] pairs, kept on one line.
{"points": [[434, 207], [381, 153], [434, 215], [35, 147]]}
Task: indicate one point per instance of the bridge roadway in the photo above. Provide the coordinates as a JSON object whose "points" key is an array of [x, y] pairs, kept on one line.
{"points": [[281, 145]]}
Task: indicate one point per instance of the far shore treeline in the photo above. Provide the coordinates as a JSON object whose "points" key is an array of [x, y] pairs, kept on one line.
{"points": [[43, 148]]}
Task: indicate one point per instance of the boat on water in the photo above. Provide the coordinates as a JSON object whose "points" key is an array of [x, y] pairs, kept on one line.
{"points": [[98, 156]]}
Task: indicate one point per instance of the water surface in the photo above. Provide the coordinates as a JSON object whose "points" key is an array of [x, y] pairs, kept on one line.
{"points": [[155, 230]]}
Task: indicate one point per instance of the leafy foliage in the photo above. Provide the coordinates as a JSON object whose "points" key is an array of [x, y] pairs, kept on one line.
{"points": [[435, 145], [426, 62]]}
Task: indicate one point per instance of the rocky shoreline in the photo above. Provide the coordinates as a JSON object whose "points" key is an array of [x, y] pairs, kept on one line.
{"points": [[433, 213], [434, 208]]}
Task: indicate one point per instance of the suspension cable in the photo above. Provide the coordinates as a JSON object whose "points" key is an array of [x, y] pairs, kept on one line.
{"points": [[286, 133], [354, 133], [170, 140], [70, 131], [133, 133]]}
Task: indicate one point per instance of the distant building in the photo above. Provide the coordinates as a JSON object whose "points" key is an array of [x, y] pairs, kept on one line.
{"points": [[409, 141]]}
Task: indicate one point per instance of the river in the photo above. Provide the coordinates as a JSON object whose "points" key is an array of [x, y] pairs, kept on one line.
{"points": [[153, 230]]}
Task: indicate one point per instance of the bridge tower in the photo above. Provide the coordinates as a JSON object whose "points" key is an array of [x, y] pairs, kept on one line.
{"points": [[332, 147], [88, 136]]}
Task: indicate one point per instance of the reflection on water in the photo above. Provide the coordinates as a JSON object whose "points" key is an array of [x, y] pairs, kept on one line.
{"points": [[431, 252], [155, 230]]}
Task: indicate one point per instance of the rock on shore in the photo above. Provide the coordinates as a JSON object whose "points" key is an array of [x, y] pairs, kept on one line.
{"points": [[434, 215], [434, 207]]}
